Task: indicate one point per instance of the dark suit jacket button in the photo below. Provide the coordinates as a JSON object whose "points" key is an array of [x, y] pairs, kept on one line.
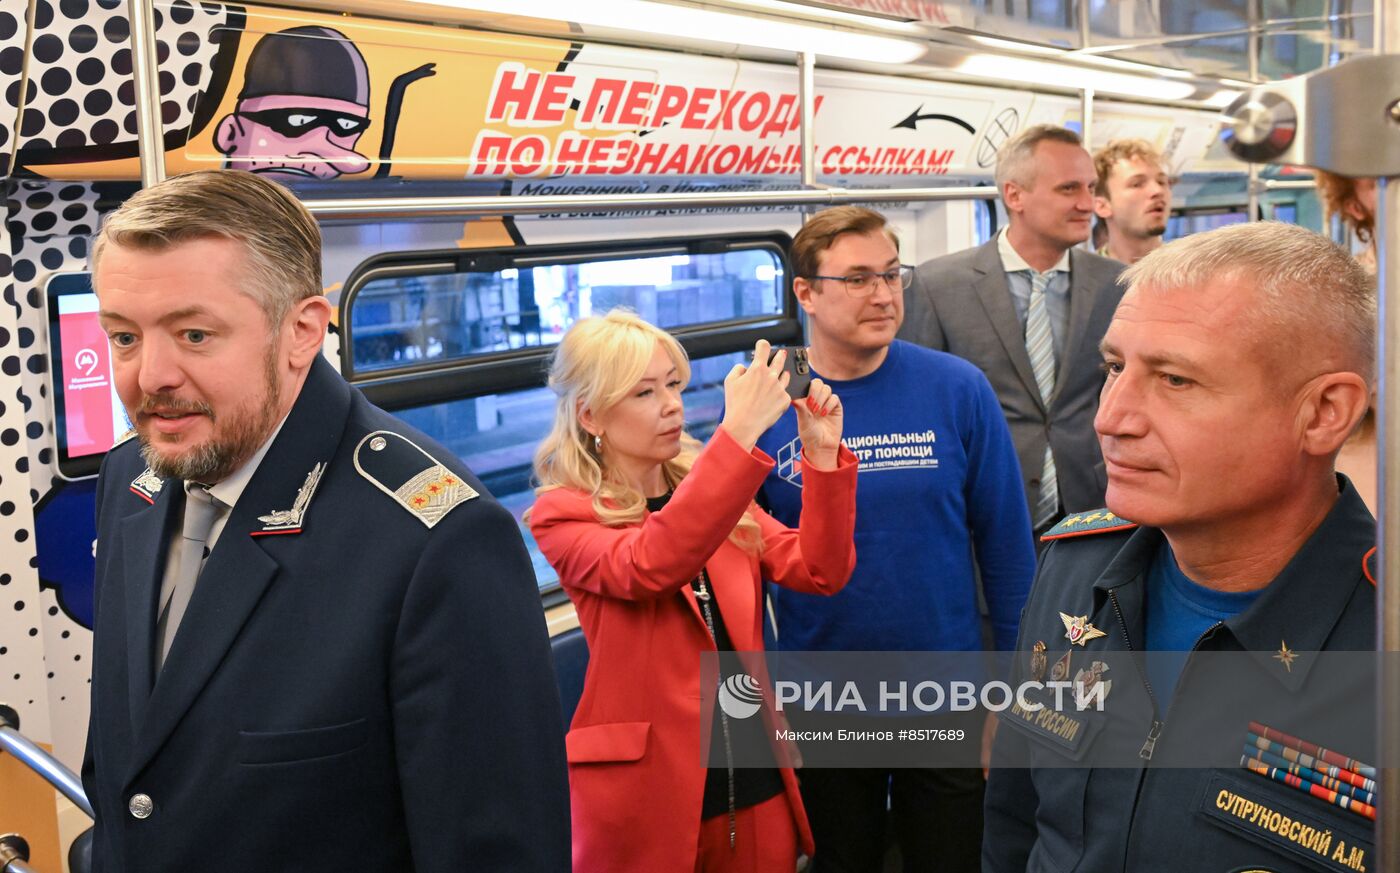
{"points": [[140, 806]]}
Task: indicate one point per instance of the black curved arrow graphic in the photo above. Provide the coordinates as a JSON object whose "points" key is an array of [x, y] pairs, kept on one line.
{"points": [[391, 113], [912, 122]]}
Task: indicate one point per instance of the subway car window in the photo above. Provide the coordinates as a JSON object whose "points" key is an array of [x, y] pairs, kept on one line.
{"points": [[412, 316], [984, 225], [457, 343], [1197, 221], [497, 434]]}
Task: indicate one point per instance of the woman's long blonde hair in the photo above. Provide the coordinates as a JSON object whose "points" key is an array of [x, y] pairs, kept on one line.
{"points": [[598, 362]]}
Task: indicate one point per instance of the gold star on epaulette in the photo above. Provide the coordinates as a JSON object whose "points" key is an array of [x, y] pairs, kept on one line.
{"points": [[429, 494], [1285, 656]]}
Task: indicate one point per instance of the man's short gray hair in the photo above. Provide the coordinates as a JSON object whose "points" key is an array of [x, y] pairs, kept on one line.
{"points": [[1014, 158], [1312, 293], [280, 237]]}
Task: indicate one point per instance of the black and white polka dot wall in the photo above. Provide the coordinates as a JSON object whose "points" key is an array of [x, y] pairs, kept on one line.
{"points": [[50, 224], [12, 34], [67, 653], [47, 230], [24, 681], [80, 90]]}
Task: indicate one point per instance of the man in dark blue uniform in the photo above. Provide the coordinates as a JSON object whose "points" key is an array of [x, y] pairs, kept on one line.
{"points": [[1237, 365], [318, 641]]}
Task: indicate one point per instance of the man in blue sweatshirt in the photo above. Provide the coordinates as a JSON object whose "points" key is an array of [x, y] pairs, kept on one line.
{"points": [[940, 500]]}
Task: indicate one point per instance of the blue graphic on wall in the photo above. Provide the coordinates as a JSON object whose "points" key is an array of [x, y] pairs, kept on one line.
{"points": [[64, 528]]}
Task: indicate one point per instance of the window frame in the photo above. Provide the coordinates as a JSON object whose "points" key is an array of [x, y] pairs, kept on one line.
{"points": [[437, 381]]}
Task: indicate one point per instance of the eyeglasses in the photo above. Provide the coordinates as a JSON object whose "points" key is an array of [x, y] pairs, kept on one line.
{"points": [[863, 284], [299, 122]]}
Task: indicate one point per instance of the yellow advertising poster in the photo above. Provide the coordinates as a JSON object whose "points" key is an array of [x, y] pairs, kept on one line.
{"points": [[312, 96]]}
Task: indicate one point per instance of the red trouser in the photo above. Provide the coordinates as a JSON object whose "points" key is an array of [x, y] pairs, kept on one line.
{"points": [[764, 840]]}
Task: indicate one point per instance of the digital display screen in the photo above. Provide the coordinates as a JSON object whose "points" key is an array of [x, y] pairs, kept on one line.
{"points": [[88, 414]]}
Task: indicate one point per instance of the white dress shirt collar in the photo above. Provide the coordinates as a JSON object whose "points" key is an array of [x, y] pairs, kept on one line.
{"points": [[1012, 262]]}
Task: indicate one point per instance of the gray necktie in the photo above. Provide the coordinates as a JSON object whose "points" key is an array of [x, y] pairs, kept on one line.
{"points": [[1041, 348], [201, 510]]}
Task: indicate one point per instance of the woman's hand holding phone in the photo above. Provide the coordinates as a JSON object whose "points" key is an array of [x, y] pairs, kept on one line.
{"points": [[820, 420], [755, 397]]}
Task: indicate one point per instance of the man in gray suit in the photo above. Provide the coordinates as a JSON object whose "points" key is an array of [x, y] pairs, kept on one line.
{"points": [[1029, 309]]}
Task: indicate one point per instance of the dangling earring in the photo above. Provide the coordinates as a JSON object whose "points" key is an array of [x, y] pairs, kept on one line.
{"points": [[598, 443]]}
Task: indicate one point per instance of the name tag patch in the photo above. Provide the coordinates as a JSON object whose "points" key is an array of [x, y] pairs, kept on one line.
{"points": [[1311, 834]]}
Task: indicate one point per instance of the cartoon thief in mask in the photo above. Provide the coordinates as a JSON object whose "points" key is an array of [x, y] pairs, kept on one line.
{"points": [[304, 105]]}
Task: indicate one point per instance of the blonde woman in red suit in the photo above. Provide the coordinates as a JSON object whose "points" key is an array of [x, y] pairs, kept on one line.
{"points": [[661, 548]]}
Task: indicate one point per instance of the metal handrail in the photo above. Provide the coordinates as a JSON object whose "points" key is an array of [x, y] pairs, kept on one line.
{"points": [[401, 207], [35, 758], [14, 854]]}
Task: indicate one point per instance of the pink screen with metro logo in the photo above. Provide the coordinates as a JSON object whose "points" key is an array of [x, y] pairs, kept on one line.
{"points": [[86, 384]]}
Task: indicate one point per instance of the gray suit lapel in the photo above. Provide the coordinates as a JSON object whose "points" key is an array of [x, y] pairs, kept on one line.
{"points": [[1082, 294], [995, 293]]}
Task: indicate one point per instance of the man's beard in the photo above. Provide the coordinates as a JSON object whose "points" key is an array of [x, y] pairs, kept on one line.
{"points": [[248, 428]]}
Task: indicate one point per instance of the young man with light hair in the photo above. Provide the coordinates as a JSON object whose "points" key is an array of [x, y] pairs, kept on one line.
{"points": [[1133, 198], [1029, 308], [1238, 363]]}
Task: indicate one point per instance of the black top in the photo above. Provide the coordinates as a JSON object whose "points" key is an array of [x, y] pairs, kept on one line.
{"points": [[747, 737]]}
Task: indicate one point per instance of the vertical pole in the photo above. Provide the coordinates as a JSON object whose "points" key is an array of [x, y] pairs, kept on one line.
{"points": [[1388, 520], [1085, 31], [149, 129], [1253, 51], [807, 98], [1387, 37], [1256, 31], [1329, 51], [1086, 118], [1086, 132]]}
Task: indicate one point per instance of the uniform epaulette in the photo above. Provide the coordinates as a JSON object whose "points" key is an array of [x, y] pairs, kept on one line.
{"points": [[1085, 523], [130, 432], [1371, 565], [413, 478]]}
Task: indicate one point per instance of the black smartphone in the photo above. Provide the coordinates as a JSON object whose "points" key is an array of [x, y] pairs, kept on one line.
{"points": [[799, 371]]}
